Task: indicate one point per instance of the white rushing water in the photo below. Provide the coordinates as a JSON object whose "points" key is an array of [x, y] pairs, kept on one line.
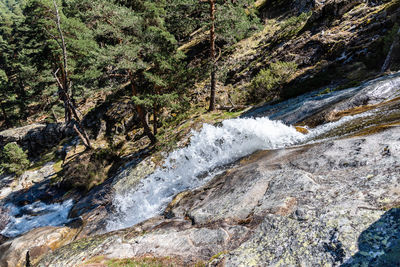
{"points": [[37, 214], [194, 165], [216, 146], [210, 150]]}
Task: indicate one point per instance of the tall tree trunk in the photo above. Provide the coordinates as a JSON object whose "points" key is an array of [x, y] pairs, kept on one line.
{"points": [[63, 85], [64, 51], [212, 56], [142, 114], [64, 98]]}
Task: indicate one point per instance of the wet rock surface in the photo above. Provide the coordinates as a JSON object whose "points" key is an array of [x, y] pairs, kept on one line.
{"points": [[318, 107], [335, 201], [329, 203], [33, 185], [379, 95], [10, 185]]}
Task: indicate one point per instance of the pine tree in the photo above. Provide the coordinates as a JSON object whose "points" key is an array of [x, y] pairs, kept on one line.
{"points": [[63, 82], [62, 50], [226, 22], [14, 70], [230, 21], [5, 97], [136, 49]]}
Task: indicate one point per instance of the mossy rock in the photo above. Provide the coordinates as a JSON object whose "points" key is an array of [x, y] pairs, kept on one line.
{"points": [[88, 169]]}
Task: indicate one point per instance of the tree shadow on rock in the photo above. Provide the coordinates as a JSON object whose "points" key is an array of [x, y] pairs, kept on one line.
{"points": [[379, 244]]}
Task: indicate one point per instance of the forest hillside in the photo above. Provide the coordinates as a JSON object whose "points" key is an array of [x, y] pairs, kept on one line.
{"points": [[199, 132]]}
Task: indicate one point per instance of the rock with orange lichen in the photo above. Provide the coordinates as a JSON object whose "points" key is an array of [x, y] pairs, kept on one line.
{"points": [[302, 130], [38, 242]]}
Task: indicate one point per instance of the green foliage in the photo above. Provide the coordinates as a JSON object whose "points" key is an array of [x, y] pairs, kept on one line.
{"points": [[13, 159], [30, 53], [291, 26], [81, 47], [110, 44], [216, 256], [347, 85], [183, 17], [148, 262], [296, 20], [12, 95], [164, 100], [266, 83], [235, 20], [10, 8], [137, 47]]}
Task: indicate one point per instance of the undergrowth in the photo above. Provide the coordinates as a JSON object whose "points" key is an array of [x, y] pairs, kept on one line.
{"points": [[266, 84], [13, 159]]}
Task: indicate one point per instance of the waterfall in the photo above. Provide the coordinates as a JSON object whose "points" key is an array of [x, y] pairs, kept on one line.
{"points": [[210, 150], [186, 168], [213, 147], [194, 165], [37, 214]]}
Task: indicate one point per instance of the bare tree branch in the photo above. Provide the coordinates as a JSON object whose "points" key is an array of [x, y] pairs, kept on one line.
{"points": [[54, 38], [219, 54], [64, 48], [60, 86], [70, 110]]}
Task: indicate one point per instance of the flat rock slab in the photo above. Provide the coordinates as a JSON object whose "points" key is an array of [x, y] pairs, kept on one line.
{"points": [[16, 134], [331, 203], [38, 242]]}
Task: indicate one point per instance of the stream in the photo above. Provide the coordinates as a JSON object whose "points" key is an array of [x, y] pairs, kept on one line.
{"points": [[212, 148]]}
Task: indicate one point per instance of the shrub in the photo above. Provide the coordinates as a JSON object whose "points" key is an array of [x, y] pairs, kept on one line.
{"points": [[296, 20], [266, 83], [13, 159], [292, 26]]}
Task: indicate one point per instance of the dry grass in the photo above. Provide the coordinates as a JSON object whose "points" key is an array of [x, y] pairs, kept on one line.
{"points": [[145, 261]]}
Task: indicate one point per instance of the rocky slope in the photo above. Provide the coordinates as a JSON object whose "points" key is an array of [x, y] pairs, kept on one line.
{"points": [[333, 201], [329, 203], [334, 43]]}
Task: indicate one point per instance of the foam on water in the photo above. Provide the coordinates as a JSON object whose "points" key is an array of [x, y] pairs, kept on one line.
{"points": [[194, 165], [210, 149], [37, 214], [213, 147]]}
